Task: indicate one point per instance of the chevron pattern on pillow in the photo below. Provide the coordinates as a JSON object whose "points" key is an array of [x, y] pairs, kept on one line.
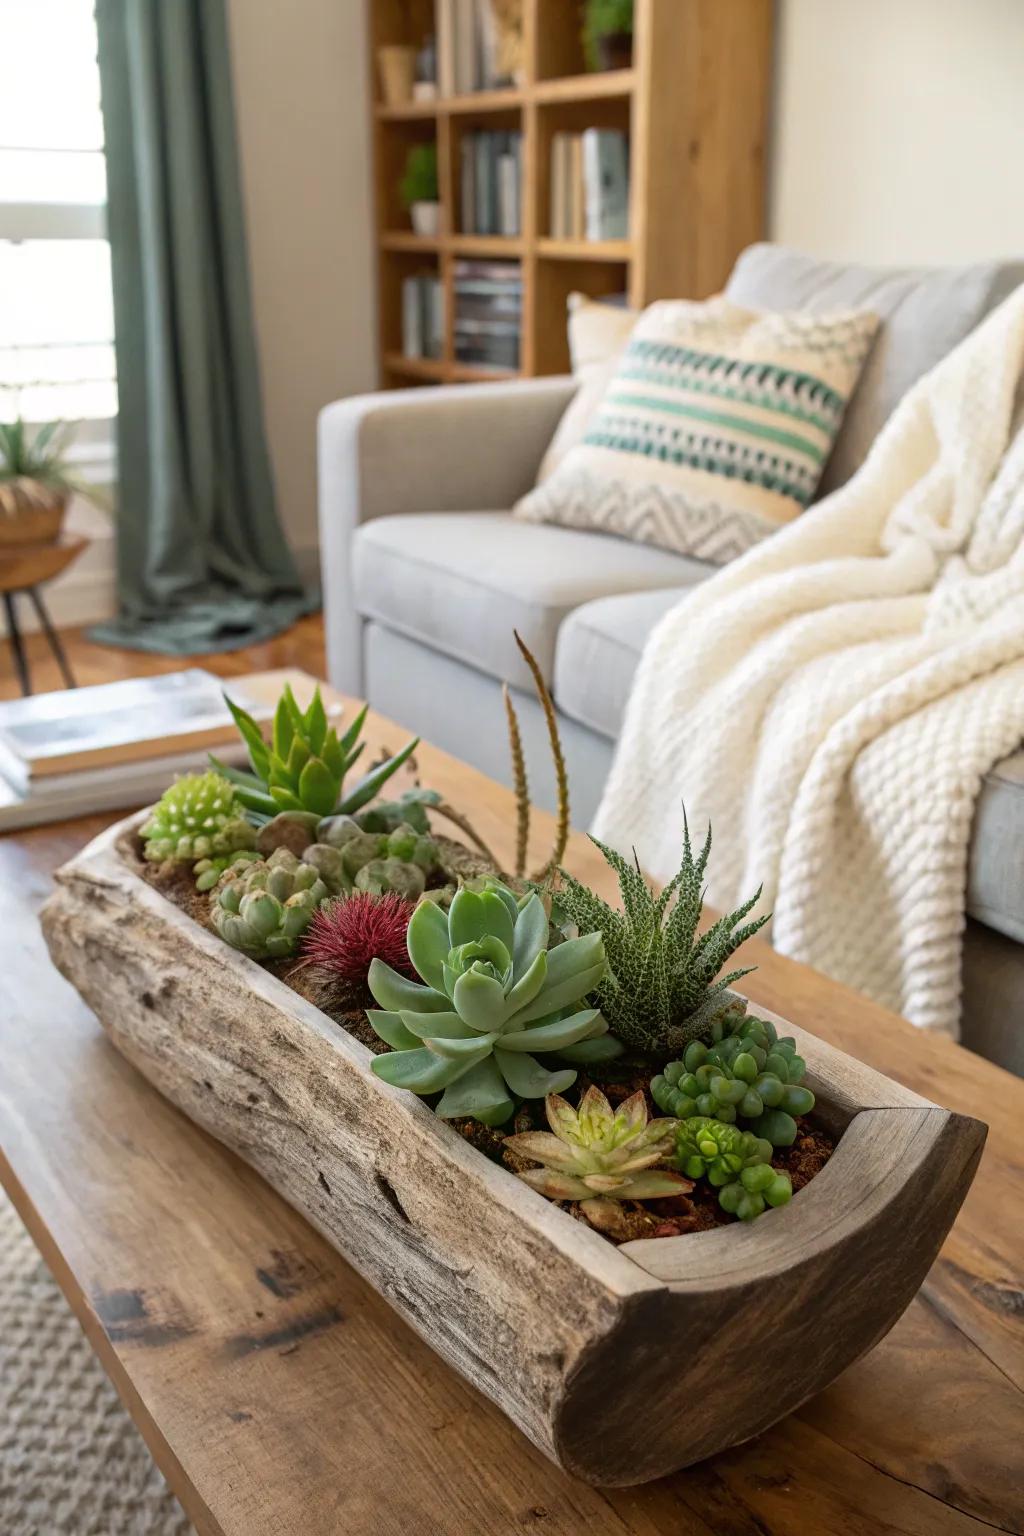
{"points": [[714, 429]]}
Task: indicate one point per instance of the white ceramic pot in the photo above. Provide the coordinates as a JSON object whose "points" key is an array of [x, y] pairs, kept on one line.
{"points": [[426, 218]]}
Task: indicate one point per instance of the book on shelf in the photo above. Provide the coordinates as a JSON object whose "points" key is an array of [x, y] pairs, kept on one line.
{"points": [[470, 51], [606, 183], [590, 185], [491, 184], [488, 314], [422, 316]]}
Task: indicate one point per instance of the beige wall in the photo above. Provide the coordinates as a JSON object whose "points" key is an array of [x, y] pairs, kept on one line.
{"points": [[300, 89], [899, 129]]}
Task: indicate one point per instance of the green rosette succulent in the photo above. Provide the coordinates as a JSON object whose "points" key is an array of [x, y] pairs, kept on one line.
{"points": [[208, 871], [717, 1151], [748, 1073], [303, 767], [596, 1154], [265, 909], [491, 1000], [198, 817]]}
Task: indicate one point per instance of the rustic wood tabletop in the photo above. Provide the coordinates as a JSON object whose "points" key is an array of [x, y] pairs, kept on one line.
{"points": [[282, 1397]]}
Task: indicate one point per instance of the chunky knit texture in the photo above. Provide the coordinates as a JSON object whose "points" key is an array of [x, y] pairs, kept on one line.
{"points": [[833, 700], [71, 1461]]}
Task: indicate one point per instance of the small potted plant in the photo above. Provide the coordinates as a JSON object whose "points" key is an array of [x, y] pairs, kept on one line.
{"points": [[608, 34], [418, 189], [35, 483]]}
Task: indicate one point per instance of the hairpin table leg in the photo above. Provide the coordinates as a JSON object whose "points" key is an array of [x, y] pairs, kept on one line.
{"points": [[17, 644], [53, 637]]}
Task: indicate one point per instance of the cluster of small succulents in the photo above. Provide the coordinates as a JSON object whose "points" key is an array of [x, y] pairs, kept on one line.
{"points": [[736, 1163], [208, 871], [198, 817], [749, 1074], [266, 907], [491, 999], [599, 1155], [352, 858]]}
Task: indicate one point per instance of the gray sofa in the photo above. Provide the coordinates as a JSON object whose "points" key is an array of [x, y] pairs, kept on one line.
{"points": [[426, 575]]}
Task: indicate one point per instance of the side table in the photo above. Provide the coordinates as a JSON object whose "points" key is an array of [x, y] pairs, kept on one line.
{"points": [[24, 568]]}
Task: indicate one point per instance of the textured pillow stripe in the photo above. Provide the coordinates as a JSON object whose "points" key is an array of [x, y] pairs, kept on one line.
{"points": [[715, 415]]}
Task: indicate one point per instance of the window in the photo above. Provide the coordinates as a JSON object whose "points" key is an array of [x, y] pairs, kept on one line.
{"points": [[56, 309]]}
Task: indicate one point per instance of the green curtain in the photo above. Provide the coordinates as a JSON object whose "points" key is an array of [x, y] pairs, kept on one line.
{"points": [[202, 560]]}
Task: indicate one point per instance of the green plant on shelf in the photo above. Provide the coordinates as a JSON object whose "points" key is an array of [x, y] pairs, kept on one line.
{"points": [[419, 180], [607, 32]]}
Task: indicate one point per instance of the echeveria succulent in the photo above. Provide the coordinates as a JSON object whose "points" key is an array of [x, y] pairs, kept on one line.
{"points": [[265, 908], [208, 871], [303, 767], [198, 817], [596, 1153], [749, 1074], [716, 1151], [492, 1000]]}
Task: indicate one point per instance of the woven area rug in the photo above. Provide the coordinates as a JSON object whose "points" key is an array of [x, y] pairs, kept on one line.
{"points": [[71, 1461]]}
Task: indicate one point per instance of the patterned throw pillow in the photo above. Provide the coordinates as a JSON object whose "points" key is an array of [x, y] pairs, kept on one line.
{"points": [[714, 429]]}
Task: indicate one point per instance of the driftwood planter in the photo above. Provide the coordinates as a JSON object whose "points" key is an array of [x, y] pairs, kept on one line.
{"points": [[621, 1364]]}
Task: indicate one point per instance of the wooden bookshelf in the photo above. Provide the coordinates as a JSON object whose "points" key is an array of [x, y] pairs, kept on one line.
{"points": [[694, 105]]}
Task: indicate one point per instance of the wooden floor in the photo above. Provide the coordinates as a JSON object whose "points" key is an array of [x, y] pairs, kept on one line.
{"points": [[301, 646]]}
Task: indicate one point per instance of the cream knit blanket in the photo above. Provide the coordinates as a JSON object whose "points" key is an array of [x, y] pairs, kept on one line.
{"points": [[832, 700]]}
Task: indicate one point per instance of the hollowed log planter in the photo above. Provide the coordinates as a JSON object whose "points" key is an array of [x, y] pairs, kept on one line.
{"points": [[621, 1364]]}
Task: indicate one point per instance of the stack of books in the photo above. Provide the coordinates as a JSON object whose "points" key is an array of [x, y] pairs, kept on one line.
{"points": [[488, 313], [590, 185], [116, 745], [468, 43], [423, 316], [491, 184]]}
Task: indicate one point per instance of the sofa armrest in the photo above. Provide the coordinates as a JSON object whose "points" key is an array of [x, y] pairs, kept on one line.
{"points": [[460, 448]]}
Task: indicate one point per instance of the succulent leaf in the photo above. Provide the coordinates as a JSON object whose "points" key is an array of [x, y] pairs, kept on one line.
{"points": [[263, 908]]}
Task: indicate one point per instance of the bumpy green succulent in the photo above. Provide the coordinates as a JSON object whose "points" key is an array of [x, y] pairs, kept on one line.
{"points": [[198, 817], [304, 766], [383, 875], [350, 859], [749, 1074], [209, 871], [265, 908], [660, 990], [716, 1151], [598, 1154], [493, 999], [758, 1186]]}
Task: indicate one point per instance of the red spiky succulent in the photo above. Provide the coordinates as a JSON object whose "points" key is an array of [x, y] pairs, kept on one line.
{"points": [[346, 935]]}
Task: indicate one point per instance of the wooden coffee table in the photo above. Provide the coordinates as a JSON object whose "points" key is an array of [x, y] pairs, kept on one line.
{"points": [[282, 1397]]}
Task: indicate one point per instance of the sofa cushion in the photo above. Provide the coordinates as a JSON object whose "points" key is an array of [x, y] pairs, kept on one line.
{"points": [[463, 581], [714, 428], [598, 650], [925, 313]]}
